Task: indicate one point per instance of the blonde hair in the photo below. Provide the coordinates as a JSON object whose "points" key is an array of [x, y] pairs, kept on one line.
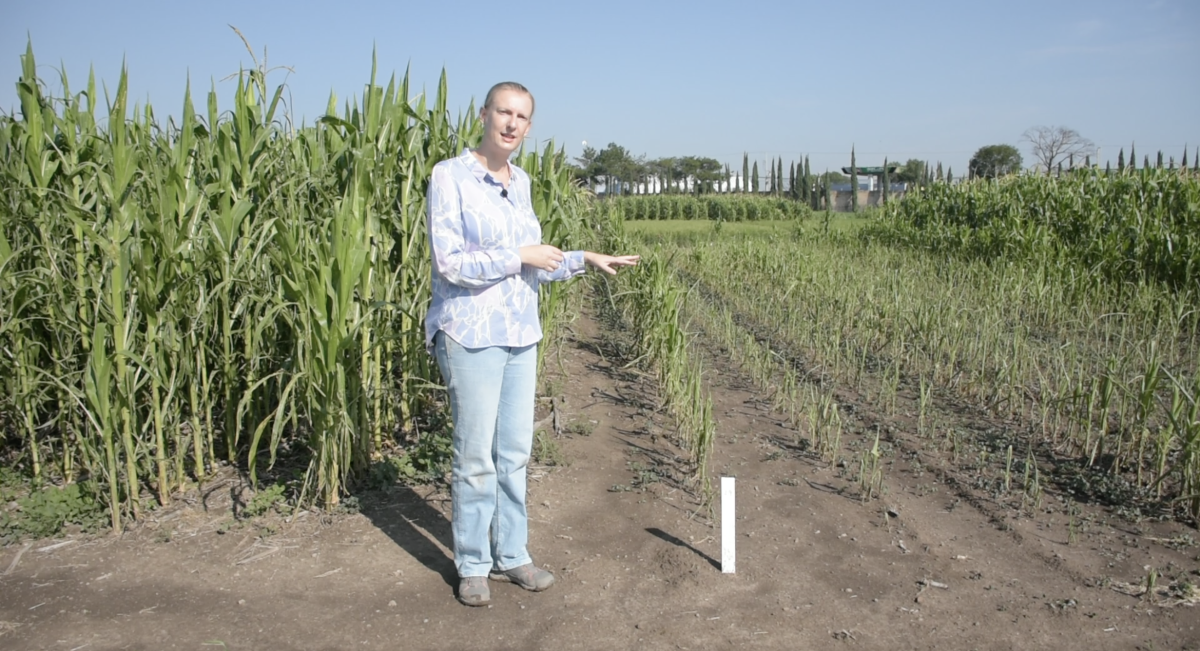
{"points": [[509, 85]]}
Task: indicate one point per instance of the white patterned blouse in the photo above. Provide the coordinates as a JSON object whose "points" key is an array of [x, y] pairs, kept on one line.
{"points": [[482, 295]]}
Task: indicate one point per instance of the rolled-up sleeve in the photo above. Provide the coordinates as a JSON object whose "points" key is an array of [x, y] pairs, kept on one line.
{"points": [[573, 265], [466, 266]]}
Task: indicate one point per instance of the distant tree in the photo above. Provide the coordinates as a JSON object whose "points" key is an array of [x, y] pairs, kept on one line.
{"points": [[792, 179], [806, 183], [754, 178], [745, 171], [940, 176], [658, 173], [1183, 164], [828, 203], [1132, 157], [994, 161], [586, 165], [883, 191], [853, 181], [1121, 160], [1051, 145], [949, 174], [779, 176], [1107, 168], [617, 167], [703, 172], [1160, 160], [728, 179], [1146, 162], [1087, 161], [912, 171]]}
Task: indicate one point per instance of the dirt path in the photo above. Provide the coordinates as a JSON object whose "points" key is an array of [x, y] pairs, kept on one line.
{"points": [[635, 557]]}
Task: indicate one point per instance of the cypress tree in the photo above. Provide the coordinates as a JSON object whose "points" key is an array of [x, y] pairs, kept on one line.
{"points": [[779, 177], [792, 179], [940, 176], [1107, 169], [1121, 160], [728, 180], [883, 196], [853, 181], [1196, 160], [745, 171], [1183, 165], [828, 203], [1159, 165], [1132, 158], [806, 187], [1146, 162], [1071, 161], [1087, 161], [949, 174], [754, 179]]}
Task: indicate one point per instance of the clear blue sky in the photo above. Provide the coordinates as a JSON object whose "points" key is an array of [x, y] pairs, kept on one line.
{"points": [[931, 79]]}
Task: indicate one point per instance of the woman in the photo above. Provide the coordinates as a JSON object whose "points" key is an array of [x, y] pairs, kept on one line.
{"points": [[483, 328]]}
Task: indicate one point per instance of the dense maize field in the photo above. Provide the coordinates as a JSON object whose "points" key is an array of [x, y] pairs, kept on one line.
{"points": [[715, 207], [222, 288], [1133, 226]]}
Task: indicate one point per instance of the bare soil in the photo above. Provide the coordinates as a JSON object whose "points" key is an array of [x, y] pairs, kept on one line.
{"points": [[933, 563]]}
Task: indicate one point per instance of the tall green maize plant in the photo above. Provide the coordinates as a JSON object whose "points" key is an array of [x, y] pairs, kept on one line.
{"points": [[175, 297]]}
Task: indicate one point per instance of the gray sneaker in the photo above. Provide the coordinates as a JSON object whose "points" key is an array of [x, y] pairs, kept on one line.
{"points": [[527, 576], [474, 591]]}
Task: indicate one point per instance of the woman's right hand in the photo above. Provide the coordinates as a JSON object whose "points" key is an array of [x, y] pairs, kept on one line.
{"points": [[541, 256]]}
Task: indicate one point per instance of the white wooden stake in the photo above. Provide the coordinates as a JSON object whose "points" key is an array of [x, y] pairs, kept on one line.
{"points": [[728, 564]]}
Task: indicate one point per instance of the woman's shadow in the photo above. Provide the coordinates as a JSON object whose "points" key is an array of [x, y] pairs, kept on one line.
{"points": [[416, 525]]}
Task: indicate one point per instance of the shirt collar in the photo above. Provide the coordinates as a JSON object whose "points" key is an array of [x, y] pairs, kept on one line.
{"points": [[479, 170]]}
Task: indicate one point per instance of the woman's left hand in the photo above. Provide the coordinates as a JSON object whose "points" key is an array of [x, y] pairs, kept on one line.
{"points": [[609, 263]]}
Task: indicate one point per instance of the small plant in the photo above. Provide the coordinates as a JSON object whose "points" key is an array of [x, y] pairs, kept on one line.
{"points": [[581, 427], [348, 505], [1073, 525], [265, 500], [546, 450], [44, 512], [426, 461], [870, 473], [923, 405], [1008, 459]]}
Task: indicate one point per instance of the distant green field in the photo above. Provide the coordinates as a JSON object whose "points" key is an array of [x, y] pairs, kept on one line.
{"points": [[670, 228]]}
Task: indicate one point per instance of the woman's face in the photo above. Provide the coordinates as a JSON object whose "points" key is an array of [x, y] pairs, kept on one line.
{"points": [[506, 121]]}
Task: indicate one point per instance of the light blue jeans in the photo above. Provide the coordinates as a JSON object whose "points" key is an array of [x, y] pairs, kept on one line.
{"points": [[491, 399]]}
